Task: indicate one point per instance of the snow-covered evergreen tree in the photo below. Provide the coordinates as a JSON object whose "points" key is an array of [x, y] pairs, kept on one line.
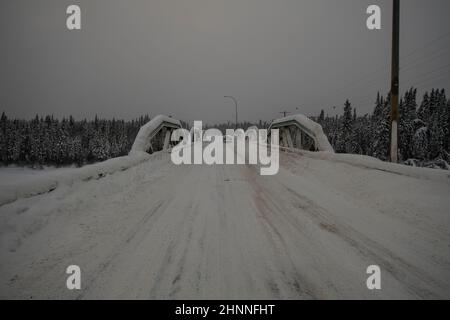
{"points": [[424, 110], [345, 143], [406, 126], [381, 128], [321, 118], [420, 144], [437, 125]]}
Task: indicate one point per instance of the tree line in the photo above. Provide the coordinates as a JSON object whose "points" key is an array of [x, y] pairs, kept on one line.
{"points": [[48, 141], [423, 129]]}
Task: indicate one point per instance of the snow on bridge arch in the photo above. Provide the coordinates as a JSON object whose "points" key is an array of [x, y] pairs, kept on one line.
{"points": [[304, 125], [143, 141]]}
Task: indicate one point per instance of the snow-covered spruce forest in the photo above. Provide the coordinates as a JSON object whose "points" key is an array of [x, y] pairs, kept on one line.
{"points": [[424, 129], [424, 134], [49, 141]]}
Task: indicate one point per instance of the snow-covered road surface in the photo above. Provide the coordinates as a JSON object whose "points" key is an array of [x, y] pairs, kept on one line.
{"points": [[163, 231]]}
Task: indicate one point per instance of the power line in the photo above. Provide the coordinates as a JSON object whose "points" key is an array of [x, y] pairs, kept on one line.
{"points": [[375, 79], [442, 68], [370, 96], [428, 58], [421, 76], [426, 45], [434, 78], [385, 68]]}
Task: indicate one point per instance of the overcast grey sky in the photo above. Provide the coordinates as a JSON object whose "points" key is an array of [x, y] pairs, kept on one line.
{"points": [[180, 57]]}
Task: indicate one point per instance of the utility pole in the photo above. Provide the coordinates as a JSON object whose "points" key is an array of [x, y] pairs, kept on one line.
{"points": [[284, 113], [395, 80]]}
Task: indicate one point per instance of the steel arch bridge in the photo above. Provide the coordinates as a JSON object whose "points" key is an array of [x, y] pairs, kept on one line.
{"points": [[296, 131], [155, 134]]}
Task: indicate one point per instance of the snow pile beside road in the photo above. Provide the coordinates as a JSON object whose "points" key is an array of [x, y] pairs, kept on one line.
{"points": [[47, 182], [376, 164], [14, 174]]}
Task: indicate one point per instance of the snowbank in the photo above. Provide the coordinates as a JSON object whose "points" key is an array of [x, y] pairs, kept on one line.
{"points": [[14, 173], [313, 128], [146, 132], [368, 162], [48, 182]]}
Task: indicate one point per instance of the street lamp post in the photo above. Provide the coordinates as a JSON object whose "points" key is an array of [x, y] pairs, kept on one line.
{"points": [[235, 104]]}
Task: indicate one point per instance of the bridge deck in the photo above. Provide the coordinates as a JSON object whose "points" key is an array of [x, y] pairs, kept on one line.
{"points": [[161, 231]]}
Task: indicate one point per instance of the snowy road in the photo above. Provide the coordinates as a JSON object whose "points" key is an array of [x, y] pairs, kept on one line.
{"points": [[225, 232]]}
